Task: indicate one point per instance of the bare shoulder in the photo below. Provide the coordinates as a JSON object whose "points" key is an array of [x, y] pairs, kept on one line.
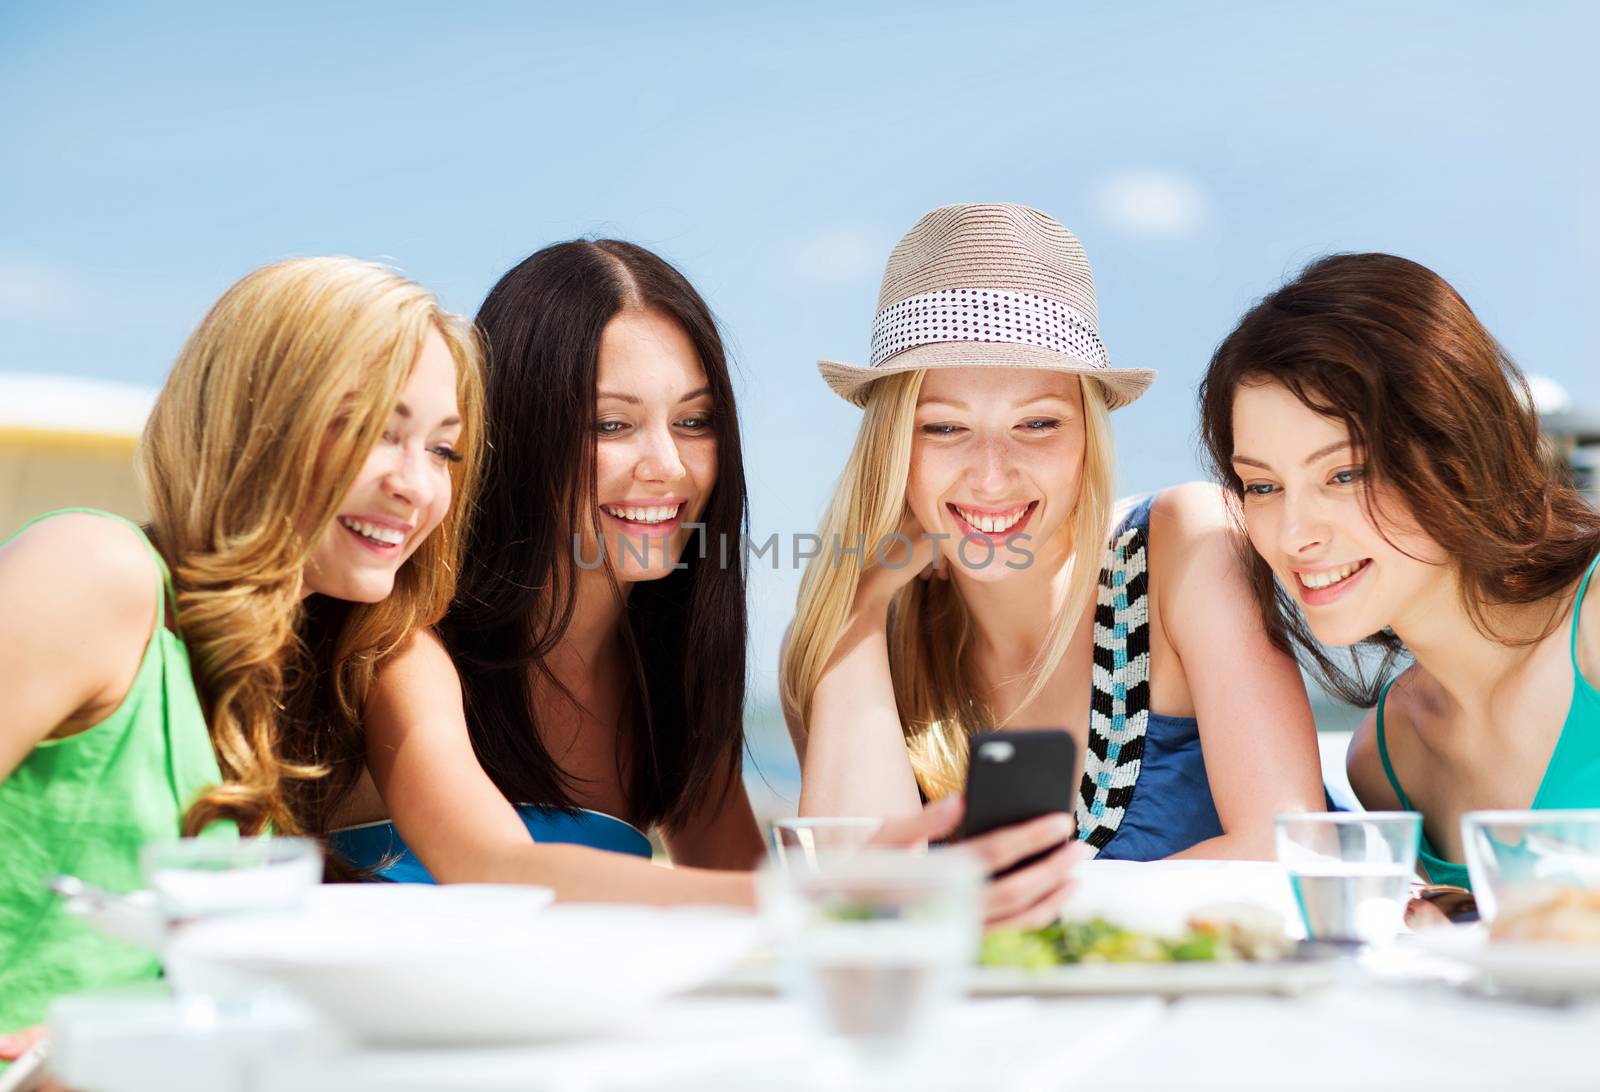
{"points": [[1364, 760], [1191, 507], [1364, 766], [417, 686], [1196, 547], [1589, 633], [84, 572]]}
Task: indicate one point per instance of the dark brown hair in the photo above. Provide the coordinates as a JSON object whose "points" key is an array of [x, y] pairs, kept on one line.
{"points": [[685, 633], [1441, 416]]}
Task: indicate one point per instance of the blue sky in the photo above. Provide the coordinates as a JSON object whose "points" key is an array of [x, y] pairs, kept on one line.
{"points": [[1202, 151]]}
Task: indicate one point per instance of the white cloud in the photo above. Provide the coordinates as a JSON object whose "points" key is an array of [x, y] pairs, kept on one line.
{"points": [[28, 288], [1154, 203], [840, 254]]}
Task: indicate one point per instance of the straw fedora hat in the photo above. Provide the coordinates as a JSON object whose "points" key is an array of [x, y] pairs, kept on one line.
{"points": [[996, 286]]}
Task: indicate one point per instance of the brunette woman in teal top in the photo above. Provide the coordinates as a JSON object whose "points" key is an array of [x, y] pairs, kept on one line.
{"points": [[1392, 480]]}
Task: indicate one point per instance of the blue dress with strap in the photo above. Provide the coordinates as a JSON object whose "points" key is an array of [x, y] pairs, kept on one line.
{"points": [[378, 846], [1144, 793]]}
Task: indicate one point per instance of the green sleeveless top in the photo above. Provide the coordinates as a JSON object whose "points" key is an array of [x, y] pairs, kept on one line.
{"points": [[1571, 780], [84, 805]]}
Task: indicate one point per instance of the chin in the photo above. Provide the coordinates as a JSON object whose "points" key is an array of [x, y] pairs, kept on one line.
{"points": [[369, 590], [1340, 632]]}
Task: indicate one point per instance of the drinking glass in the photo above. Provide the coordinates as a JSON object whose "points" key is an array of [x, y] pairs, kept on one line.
{"points": [[1520, 859], [877, 943], [799, 843], [1351, 872], [196, 878]]}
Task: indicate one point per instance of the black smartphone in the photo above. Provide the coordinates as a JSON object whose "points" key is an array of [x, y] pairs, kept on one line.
{"points": [[1016, 776]]}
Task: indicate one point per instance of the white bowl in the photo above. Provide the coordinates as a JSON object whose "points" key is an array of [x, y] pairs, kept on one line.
{"points": [[428, 978]]}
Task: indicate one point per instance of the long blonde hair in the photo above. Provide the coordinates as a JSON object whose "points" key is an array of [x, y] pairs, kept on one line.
{"points": [[261, 429], [934, 687]]}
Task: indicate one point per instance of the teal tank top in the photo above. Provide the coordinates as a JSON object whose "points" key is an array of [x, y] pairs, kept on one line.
{"points": [[1571, 780], [84, 805]]}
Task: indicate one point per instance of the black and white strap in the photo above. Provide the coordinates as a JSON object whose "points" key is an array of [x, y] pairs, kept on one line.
{"points": [[1119, 705]]}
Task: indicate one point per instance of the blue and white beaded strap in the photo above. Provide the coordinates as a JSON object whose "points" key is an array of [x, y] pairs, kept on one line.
{"points": [[1119, 711], [984, 314]]}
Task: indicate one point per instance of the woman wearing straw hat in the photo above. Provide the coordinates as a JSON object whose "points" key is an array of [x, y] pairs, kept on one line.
{"points": [[986, 448]]}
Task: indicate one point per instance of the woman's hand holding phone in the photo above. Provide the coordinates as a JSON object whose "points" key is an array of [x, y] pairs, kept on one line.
{"points": [[1030, 897]]}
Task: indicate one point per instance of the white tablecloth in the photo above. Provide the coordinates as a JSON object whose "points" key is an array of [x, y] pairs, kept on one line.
{"points": [[1356, 1036]]}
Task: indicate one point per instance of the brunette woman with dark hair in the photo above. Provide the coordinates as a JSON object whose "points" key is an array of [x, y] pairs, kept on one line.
{"points": [[1386, 460], [587, 685]]}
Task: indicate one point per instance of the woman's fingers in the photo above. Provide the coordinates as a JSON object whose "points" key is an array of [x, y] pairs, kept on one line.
{"points": [[1000, 849], [18, 1043], [1027, 888], [1041, 913]]}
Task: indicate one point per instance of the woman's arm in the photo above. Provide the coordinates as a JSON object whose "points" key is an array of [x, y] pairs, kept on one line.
{"points": [[80, 595], [852, 751], [460, 826], [1256, 729], [722, 832]]}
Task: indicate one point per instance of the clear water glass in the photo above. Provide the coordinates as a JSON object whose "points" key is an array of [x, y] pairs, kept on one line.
{"points": [[876, 944], [800, 842], [195, 878], [1520, 859], [1351, 872]]}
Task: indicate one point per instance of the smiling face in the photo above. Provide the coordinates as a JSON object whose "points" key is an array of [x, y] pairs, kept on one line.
{"points": [[1306, 510], [655, 444], [997, 453], [402, 491]]}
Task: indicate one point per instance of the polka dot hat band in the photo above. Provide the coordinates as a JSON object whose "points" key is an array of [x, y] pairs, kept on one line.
{"points": [[1000, 286]]}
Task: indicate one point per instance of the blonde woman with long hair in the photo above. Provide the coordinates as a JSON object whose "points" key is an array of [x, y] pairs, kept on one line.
{"points": [[984, 465], [307, 468]]}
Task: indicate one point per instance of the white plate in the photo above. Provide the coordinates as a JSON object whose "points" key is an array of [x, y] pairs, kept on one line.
{"points": [[1518, 966], [1284, 977], [425, 978]]}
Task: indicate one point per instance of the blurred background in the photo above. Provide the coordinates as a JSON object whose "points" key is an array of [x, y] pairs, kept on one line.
{"points": [[1202, 151]]}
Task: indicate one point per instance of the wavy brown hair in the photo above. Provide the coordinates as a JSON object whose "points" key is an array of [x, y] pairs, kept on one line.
{"points": [[261, 429], [1441, 416]]}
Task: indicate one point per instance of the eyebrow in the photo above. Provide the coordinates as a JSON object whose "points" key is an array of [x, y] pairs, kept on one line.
{"points": [[633, 400], [404, 411], [1321, 452]]}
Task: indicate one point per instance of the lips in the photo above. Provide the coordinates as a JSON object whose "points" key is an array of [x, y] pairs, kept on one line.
{"points": [[994, 524], [645, 519], [1322, 586], [382, 540]]}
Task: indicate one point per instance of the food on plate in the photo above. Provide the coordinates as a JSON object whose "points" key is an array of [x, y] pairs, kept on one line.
{"points": [[1225, 932], [1568, 916]]}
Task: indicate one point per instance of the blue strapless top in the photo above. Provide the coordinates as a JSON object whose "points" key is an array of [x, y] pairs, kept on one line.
{"points": [[368, 846], [1144, 793]]}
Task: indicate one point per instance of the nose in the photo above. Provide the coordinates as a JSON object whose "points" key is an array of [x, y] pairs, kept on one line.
{"points": [[990, 474], [409, 478], [1303, 529], [658, 459]]}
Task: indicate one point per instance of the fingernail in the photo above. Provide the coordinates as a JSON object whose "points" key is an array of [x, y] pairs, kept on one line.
{"points": [[8, 1045], [1064, 826]]}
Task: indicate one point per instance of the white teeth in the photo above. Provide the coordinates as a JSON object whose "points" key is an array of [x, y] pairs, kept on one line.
{"points": [[992, 524], [387, 536], [652, 514], [1329, 577]]}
